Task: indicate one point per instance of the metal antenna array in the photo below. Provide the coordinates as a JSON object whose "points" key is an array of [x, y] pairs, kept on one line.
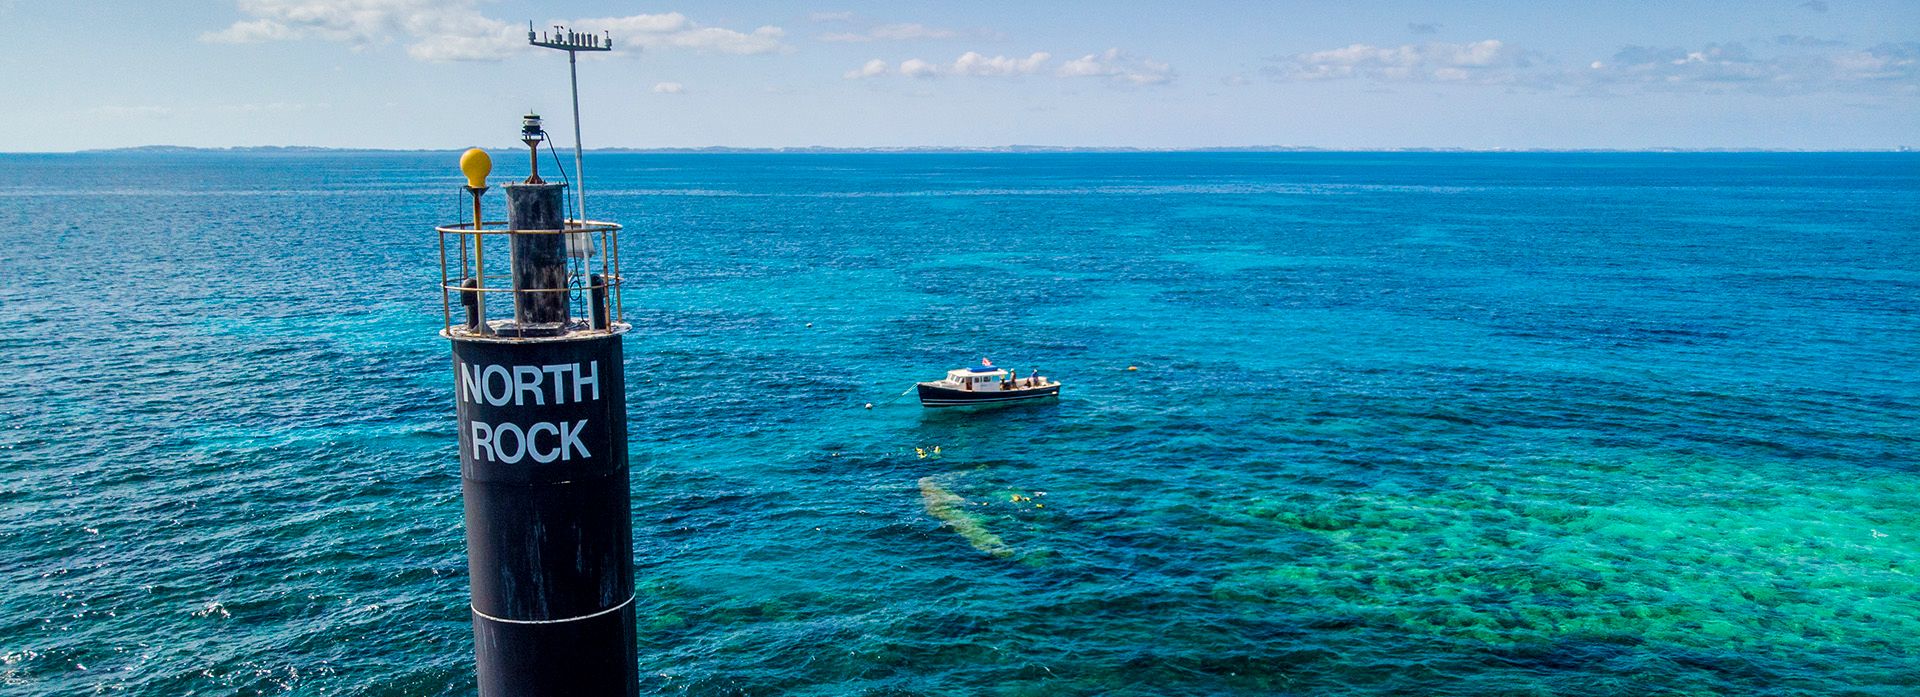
{"points": [[573, 43]]}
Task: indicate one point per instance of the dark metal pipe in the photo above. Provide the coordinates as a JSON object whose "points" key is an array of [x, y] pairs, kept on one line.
{"points": [[539, 260], [470, 301], [597, 294]]}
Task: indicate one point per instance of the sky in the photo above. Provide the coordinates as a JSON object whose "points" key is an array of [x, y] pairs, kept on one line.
{"points": [[430, 74]]}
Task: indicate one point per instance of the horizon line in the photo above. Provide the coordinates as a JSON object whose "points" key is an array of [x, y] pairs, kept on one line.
{"points": [[964, 149]]}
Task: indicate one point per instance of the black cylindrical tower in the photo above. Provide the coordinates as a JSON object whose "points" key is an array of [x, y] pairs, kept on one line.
{"points": [[539, 261], [543, 466], [543, 461]]}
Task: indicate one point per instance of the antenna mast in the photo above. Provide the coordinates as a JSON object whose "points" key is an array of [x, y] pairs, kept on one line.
{"points": [[573, 43]]}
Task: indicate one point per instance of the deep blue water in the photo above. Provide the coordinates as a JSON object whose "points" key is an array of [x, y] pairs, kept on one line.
{"points": [[1419, 423]]}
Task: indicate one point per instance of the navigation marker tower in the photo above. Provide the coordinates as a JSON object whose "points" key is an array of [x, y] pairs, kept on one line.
{"points": [[542, 419]]}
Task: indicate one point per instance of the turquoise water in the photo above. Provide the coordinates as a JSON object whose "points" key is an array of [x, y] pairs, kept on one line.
{"points": [[1419, 423]]}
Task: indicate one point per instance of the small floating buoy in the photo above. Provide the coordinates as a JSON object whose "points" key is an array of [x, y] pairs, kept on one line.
{"points": [[1133, 367], [809, 325], [936, 450], [922, 452], [869, 405]]}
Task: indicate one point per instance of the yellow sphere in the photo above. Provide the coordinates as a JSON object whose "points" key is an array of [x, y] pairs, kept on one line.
{"points": [[477, 165]]}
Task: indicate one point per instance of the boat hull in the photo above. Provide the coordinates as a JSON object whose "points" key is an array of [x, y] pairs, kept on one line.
{"points": [[933, 396]]}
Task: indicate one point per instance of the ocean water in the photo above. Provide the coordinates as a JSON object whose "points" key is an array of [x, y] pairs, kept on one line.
{"points": [[1449, 424]]}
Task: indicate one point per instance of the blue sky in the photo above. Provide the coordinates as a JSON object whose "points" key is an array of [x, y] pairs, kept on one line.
{"points": [[1796, 74]]}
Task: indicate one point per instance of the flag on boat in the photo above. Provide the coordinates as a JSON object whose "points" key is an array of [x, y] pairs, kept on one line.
{"points": [[985, 362]]}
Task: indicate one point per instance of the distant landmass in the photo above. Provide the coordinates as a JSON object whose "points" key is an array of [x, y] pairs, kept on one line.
{"points": [[286, 149], [253, 148]]}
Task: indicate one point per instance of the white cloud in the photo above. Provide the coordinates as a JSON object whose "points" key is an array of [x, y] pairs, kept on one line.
{"points": [[1714, 63], [1788, 64], [674, 30], [1735, 65], [455, 30], [1807, 41], [488, 45], [1885, 62], [972, 63], [1119, 67], [669, 88], [1489, 61], [438, 30], [893, 32], [873, 68], [1114, 65], [914, 67], [251, 32]]}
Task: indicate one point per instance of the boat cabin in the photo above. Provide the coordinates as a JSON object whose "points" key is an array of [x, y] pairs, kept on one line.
{"points": [[977, 378]]}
